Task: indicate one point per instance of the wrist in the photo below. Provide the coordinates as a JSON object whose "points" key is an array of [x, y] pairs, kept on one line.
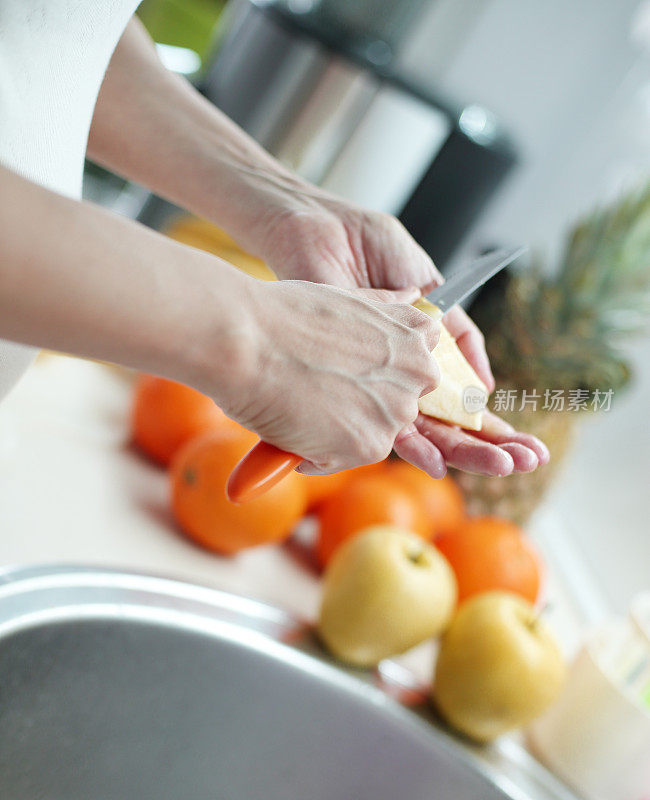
{"points": [[248, 193], [217, 348]]}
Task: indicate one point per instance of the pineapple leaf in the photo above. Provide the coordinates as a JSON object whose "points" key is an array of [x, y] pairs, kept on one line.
{"points": [[565, 331]]}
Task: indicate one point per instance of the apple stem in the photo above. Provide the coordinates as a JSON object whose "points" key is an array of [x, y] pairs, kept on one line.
{"points": [[416, 556]]}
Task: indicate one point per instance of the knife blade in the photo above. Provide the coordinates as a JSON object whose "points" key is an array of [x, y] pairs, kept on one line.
{"points": [[465, 281]]}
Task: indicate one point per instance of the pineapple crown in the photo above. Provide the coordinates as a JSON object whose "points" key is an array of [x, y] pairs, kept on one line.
{"points": [[566, 331]]}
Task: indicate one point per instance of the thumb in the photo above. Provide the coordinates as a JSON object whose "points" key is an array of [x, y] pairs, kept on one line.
{"points": [[408, 295]]}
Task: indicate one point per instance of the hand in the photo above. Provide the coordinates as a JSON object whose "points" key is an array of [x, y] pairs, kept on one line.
{"points": [[331, 241], [335, 374], [208, 165]]}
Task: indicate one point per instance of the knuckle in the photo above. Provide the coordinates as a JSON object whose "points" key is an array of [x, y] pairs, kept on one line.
{"points": [[417, 319], [395, 225], [376, 449], [430, 376], [384, 219], [424, 325], [411, 411], [476, 334]]}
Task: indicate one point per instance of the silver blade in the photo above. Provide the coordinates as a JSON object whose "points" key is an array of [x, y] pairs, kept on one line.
{"points": [[465, 281]]}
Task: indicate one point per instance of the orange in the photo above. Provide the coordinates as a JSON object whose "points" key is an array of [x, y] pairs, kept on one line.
{"points": [[364, 501], [441, 498], [320, 487], [199, 474], [166, 415], [488, 553]]}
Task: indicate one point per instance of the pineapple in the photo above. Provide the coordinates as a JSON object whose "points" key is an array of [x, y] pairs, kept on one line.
{"points": [[563, 332]]}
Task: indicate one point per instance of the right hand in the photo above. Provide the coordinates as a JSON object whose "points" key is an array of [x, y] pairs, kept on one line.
{"points": [[333, 375]]}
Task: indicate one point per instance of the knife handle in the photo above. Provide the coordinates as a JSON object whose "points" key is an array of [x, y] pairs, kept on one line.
{"points": [[258, 471]]}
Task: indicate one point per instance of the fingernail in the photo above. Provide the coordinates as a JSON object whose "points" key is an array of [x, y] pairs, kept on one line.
{"points": [[525, 460], [544, 454], [508, 465], [472, 456], [437, 468]]}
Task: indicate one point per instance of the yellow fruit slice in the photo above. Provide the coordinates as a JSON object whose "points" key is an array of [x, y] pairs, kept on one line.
{"points": [[203, 235], [461, 395]]}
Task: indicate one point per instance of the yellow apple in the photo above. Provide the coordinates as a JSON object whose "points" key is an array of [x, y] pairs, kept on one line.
{"points": [[385, 590], [498, 667]]}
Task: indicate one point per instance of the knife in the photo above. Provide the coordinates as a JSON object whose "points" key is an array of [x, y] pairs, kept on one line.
{"points": [[265, 465]]}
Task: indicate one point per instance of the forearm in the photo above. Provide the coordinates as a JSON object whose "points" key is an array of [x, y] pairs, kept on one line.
{"points": [[153, 127], [77, 279]]}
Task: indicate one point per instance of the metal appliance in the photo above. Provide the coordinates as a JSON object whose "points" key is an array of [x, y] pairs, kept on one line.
{"points": [[326, 100]]}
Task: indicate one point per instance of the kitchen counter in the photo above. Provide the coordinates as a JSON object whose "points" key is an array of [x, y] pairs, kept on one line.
{"points": [[72, 490]]}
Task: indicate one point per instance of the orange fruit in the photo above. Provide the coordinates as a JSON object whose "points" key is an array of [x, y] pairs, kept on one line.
{"points": [[371, 499], [441, 498], [166, 415], [320, 487], [488, 553], [199, 474]]}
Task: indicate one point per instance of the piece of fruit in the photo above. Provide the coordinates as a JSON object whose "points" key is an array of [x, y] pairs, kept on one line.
{"points": [[460, 391], [320, 487], [199, 474], [498, 666], [441, 499], [166, 415], [385, 591], [203, 235], [488, 553], [371, 499]]}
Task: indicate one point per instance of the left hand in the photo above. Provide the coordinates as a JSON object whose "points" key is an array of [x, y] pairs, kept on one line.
{"points": [[332, 241]]}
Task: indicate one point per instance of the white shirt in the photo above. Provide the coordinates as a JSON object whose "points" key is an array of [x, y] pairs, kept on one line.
{"points": [[53, 56]]}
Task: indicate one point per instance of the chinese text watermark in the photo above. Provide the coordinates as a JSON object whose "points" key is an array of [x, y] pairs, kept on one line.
{"points": [[551, 400]]}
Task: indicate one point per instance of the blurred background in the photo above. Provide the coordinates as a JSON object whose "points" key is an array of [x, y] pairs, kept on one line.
{"points": [[478, 123]]}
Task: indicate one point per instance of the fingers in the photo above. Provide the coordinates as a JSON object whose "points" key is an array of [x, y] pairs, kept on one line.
{"points": [[471, 342], [393, 257], [499, 432], [411, 446], [308, 468], [464, 451], [411, 316], [422, 339], [496, 450], [430, 275], [523, 458], [407, 295]]}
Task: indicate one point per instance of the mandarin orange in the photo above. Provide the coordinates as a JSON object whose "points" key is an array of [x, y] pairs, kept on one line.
{"points": [[489, 553], [370, 499], [199, 474], [165, 415]]}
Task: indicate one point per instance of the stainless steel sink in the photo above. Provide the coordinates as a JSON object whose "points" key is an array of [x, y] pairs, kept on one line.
{"points": [[116, 686]]}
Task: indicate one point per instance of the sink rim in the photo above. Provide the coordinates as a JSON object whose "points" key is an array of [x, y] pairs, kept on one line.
{"points": [[42, 594]]}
